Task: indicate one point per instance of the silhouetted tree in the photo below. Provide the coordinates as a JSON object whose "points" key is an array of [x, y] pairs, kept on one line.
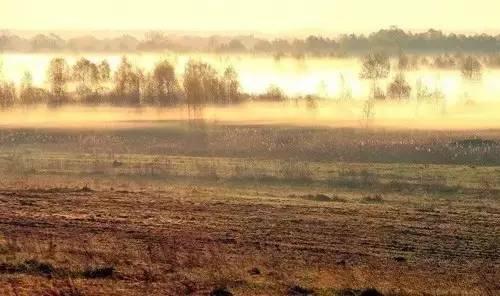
{"points": [[471, 68], [127, 84], [231, 86], [85, 71], [86, 75], [399, 88], [104, 71], [166, 87], [58, 75], [202, 84], [375, 66]]}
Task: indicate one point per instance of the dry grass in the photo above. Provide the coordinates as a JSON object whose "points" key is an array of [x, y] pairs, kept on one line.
{"points": [[199, 239], [210, 221]]}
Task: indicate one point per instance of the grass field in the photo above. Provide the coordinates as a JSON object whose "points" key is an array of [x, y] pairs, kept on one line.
{"points": [[172, 208]]}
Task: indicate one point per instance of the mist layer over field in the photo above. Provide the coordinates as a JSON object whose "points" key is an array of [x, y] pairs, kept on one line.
{"points": [[325, 77], [388, 115], [466, 104]]}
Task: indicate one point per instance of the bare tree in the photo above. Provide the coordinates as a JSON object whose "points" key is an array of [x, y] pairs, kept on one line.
{"points": [[127, 84], [231, 85], [471, 68], [86, 74], [375, 66], [85, 71], [58, 75], [166, 86], [202, 84], [104, 71]]}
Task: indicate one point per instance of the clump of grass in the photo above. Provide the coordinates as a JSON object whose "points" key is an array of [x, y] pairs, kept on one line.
{"points": [[86, 188], [377, 198], [322, 197], [31, 266], [98, 272]]}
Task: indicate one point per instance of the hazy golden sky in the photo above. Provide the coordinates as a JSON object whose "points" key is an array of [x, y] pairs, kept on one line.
{"points": [[267, 16]]}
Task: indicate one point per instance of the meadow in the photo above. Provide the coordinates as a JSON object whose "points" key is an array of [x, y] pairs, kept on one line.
{"points": [[205, 207]]}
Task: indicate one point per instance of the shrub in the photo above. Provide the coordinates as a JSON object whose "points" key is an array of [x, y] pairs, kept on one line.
{"points": [[399, 88], [273, 94]]}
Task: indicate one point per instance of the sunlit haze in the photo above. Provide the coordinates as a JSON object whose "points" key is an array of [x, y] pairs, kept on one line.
{"points": [[249, 147], [277, 16]]}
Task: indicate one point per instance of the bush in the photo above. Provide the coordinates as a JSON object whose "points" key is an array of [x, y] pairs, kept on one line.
{"points": [[273, 94], [399, 88]]}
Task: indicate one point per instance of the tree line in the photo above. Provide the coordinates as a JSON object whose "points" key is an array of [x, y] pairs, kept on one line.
{"points": [[391, 40], [86, 82]]}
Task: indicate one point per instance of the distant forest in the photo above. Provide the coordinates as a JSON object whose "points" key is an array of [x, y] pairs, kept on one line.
{"points": [[392, 41]]}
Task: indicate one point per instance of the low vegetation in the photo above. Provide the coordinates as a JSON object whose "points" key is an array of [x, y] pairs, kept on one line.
{"points": [[176, 209]]}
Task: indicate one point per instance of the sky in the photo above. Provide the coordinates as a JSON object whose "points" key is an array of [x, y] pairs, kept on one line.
{"points": [[264, 16]]}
